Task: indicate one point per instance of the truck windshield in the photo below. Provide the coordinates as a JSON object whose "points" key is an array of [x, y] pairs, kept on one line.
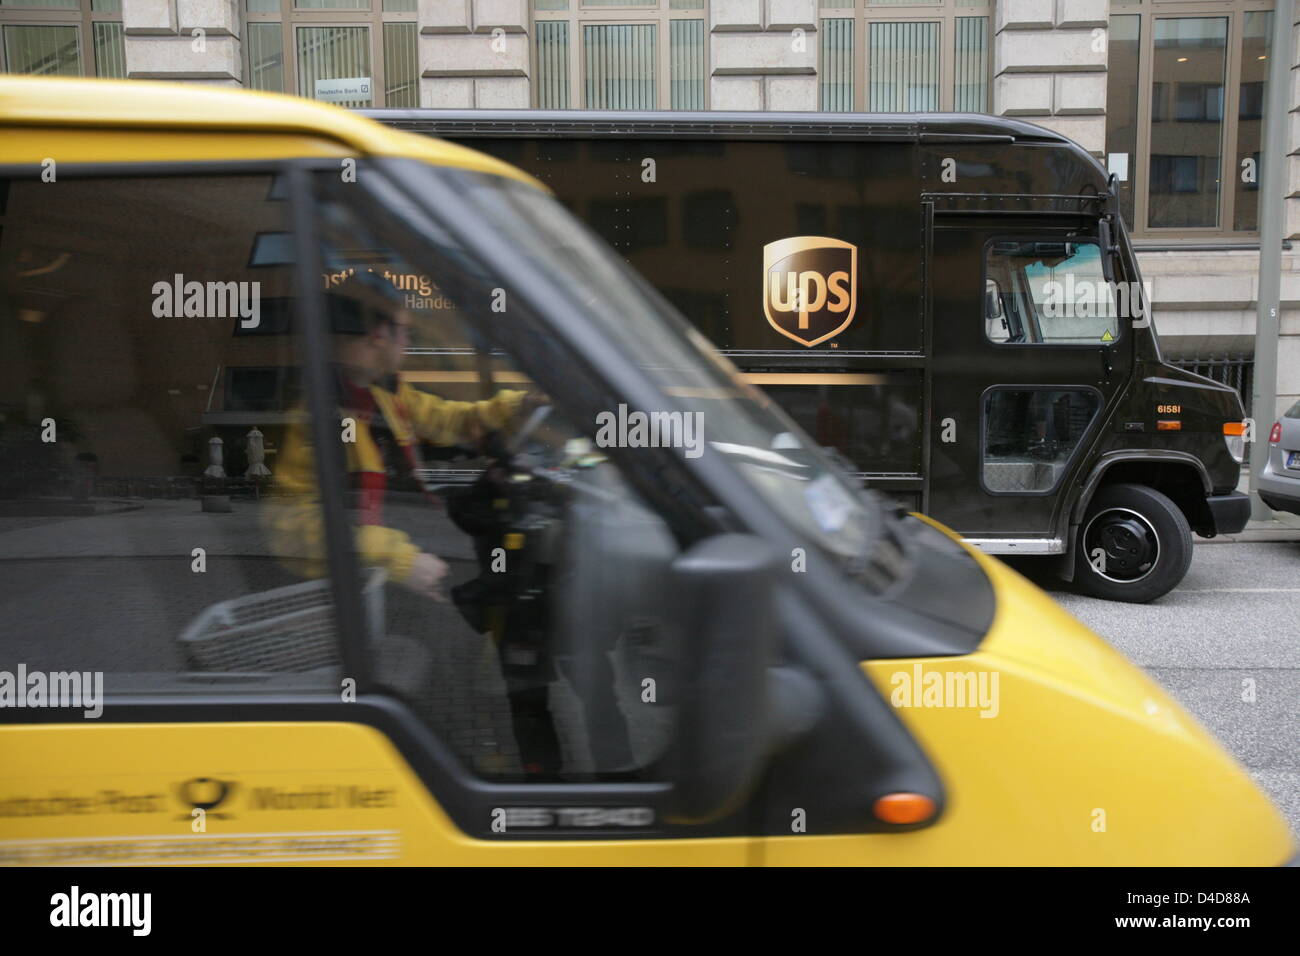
{"points": [[736, 421]]}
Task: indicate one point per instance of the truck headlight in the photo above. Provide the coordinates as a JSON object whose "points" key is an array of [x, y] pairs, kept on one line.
{"points": [[1234, 436]]}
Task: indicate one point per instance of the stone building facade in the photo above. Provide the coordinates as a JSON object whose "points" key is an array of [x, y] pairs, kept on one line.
{"points": [[1108, 74]]}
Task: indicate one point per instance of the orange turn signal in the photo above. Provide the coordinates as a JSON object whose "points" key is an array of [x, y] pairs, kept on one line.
{"points": [[1234, 428], [904, 808], [1168, 425]]}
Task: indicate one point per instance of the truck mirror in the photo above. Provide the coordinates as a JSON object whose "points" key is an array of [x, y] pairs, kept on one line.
{"points": [[992, 300], [725, 587], [1106, 239]]}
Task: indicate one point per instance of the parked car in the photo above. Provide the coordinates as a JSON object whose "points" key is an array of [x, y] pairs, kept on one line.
{"points": [[1279, 483]]}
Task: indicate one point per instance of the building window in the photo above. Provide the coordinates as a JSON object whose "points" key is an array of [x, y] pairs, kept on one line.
{"points": [[551, 59], [686, 72], [971, 58], [355, 53], [265, 51], [836, 72], [62, 37], [1256, 31], [1185, 103], [620, 65], [903, 67], [401, 64], [1188, 76], [620, 54], [905, 56]]}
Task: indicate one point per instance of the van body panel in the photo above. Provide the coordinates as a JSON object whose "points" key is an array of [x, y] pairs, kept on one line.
{"points": [[283, 794], [32, 145], [1102, 785], [161, 111]]}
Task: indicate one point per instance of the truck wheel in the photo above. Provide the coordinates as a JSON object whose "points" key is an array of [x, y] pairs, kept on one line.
{"points": [[1134, 545]]}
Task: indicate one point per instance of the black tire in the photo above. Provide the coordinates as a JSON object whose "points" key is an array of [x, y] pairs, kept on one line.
{"points": [[1145, 541]]}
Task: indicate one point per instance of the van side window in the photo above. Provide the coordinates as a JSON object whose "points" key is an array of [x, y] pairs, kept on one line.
{"points": [[1030, 435], [526, 610], [149, 375], [1049, 293]]}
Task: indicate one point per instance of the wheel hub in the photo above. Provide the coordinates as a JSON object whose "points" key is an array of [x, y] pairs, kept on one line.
{"points": [[1127, 543]]}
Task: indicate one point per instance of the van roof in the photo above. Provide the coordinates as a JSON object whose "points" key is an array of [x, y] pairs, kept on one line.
{"points": [[937, 127], [78, 103]]}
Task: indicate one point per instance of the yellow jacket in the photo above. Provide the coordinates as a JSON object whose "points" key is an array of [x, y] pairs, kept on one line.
{"points": [[292, 520]]}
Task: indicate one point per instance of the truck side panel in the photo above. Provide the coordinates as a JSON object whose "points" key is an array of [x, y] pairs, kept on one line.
{"points": [[696, 218]]}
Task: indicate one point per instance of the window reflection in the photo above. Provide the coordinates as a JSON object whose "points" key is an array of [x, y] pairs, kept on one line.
{"points": [[1187, 121], [1256, 32], [1122, 106]]}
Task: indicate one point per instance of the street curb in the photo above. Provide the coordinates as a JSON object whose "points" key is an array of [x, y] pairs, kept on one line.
{"points": [[1253, 535]]}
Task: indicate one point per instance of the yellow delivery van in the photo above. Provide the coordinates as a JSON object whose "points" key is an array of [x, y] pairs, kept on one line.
{"points": [[359, 505]]}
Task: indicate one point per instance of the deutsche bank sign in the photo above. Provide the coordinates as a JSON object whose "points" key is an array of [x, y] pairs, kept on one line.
{"points": [[343, 91]]}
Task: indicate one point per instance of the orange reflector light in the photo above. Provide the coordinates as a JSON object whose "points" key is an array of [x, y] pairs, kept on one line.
{"points": [[1234, 428], [904, 808], [1166, 425]]}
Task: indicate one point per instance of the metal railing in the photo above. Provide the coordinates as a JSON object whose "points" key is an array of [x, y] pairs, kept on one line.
{"points": [[1235, 369]]}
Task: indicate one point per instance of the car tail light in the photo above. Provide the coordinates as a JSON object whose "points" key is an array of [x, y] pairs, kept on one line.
{"points": [[1275, 435], [1234, 436]]}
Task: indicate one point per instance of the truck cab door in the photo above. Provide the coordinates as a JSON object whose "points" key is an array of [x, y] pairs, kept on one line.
{"points": [[1029, 354]]}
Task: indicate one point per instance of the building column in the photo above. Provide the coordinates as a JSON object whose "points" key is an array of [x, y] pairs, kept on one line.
{"points": [[195, 40], [1288, 346], [1049, 66], [764, 54], [474, 54], [1291, 222]]}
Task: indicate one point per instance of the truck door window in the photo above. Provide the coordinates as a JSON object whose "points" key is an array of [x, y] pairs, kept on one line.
{"points": [[1050, 293], [1030, 435]]}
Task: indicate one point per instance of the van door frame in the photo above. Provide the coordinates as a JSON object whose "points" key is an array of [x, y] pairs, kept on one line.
{"points": [[464, 797]]}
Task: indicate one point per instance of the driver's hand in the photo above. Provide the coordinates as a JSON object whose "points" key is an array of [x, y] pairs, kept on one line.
{"points": [[427, 574]]}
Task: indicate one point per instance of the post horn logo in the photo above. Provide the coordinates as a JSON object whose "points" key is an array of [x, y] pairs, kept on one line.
{"points": [[810, 287], [206, 794]]}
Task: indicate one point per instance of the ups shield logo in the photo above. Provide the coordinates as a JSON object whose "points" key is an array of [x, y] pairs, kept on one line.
{"points": [[810, 287]]}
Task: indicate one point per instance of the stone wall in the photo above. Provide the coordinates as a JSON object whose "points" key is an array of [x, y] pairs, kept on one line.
{"points": [[195, 40], [474, 54], [764, 54], [1049, 66]]}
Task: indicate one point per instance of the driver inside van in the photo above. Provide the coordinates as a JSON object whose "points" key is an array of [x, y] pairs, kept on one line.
{"points": [[389, 419]]}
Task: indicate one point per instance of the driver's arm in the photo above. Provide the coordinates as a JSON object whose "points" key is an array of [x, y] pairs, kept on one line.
{"points": [[295, 530], [443, 422]]}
